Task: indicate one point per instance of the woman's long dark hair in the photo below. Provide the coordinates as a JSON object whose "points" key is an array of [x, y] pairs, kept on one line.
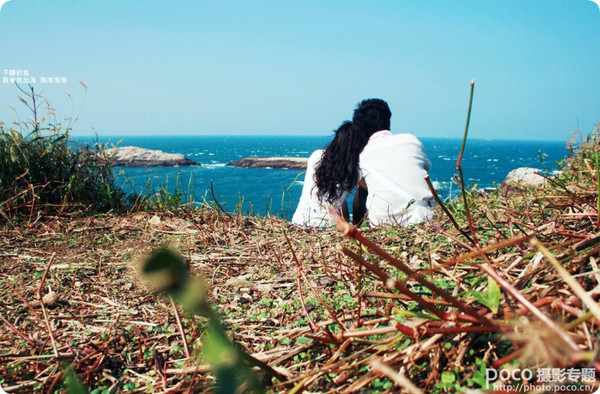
{"points": [[338, 170]]}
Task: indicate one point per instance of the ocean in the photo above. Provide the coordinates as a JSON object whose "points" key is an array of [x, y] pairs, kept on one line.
{"points": [[277, 191]]}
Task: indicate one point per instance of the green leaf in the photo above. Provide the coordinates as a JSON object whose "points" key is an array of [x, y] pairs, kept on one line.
{"points": [[448, 377], [73, 383], [491, 298], [165, 269], [303, 340], [480, 297], [493, 295], [421, 315], [226, 360]]}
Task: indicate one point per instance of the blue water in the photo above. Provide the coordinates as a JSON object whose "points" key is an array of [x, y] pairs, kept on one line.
{"points": [[277, 191]]}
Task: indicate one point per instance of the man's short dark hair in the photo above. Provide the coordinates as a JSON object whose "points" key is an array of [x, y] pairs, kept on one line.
{"points": [[372, 115]]}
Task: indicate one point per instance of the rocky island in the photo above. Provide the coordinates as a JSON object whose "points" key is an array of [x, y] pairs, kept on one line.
{"points": [[296, 163], [133, 156]]}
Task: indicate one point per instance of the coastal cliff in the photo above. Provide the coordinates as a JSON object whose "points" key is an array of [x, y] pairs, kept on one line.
{"points": [[133, 156], [296, 163]]}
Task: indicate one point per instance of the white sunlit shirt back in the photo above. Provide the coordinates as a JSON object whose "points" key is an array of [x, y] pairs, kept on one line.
{"points": [[394, 167]]}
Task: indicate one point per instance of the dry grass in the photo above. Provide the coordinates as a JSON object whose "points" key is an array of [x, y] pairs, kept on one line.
{"points": [[320, 318], [106, 322]]}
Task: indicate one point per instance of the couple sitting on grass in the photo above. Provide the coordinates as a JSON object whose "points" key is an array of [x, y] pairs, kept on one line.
{"points": [[387, 170]]}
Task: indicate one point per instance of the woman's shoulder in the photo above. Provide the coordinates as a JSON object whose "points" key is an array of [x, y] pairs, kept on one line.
{"points": [[317, 153], [315, 156]]}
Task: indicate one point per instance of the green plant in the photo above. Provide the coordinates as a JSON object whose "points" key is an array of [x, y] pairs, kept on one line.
{"points": [[167, 272], [41, 168], [286, 210], [491, 298]]}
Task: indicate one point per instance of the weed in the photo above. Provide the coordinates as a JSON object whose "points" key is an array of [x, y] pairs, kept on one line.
{"points": [[42, 169]]}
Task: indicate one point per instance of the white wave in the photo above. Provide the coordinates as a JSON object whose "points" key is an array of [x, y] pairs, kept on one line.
{"points": [[213, 165]]}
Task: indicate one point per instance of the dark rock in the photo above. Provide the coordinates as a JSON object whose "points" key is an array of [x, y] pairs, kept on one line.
{"points": [[298, 163]]}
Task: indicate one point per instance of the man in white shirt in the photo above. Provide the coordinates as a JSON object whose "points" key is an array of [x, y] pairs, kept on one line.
{"points": [[393, 169]]}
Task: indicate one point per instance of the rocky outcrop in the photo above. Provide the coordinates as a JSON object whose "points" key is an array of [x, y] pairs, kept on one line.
{"points": [[132, 156], [298, 163], [524, 177]]}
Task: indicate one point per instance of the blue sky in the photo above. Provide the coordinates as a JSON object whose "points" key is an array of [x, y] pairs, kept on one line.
{"points": [[283, 67]]}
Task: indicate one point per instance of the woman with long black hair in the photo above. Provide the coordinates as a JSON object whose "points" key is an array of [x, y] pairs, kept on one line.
{"points": [[338, 171], [329, 177]]}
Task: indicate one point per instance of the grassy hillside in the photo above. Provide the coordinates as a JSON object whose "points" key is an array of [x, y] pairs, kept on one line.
{"points": [[513, 283]]}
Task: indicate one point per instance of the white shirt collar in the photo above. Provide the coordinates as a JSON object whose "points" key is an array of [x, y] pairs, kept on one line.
{"points": [[380, 134]]}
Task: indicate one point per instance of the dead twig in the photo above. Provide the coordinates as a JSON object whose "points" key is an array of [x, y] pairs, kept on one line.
{"points": [[41, 299], [186, 346]]}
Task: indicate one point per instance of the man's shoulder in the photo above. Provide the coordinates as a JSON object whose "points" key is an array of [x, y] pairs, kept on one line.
{"points": [[391, 141], [405, 137]]}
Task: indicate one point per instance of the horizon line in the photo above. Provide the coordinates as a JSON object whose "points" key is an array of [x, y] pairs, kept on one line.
{"points": [[308, 135]]}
